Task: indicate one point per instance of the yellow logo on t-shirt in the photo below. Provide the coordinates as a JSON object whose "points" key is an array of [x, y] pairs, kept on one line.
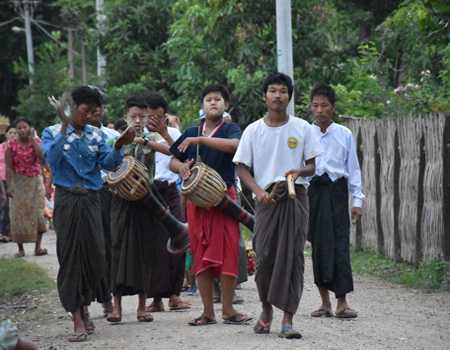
{"points": [[292, 142]]}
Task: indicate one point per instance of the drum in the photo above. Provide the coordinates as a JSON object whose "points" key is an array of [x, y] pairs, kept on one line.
{"points": [[131, 183], [130, 180], [205, 187]]}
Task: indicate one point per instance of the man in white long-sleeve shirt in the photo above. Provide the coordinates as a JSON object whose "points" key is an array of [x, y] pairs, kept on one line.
{"points": [[337, 174]]}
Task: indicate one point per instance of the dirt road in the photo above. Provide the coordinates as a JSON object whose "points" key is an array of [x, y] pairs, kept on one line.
{"points": [[391, 317]]}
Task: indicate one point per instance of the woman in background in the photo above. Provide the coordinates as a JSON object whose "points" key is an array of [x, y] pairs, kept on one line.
{"points": [[10, 134], [25, 188]]}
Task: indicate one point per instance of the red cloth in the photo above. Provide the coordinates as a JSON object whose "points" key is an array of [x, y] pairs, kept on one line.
{"points": [[214, 239], [24, 158]]}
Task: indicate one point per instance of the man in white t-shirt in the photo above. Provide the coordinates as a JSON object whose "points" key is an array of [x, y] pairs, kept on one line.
{"points": [[273, 147]]}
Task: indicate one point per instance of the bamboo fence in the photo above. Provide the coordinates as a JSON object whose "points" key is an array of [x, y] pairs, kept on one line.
{"points": [[405, 165]]}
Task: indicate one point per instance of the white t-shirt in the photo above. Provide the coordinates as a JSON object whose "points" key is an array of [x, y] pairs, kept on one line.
{"points": [[162, 171], [272, 151]]}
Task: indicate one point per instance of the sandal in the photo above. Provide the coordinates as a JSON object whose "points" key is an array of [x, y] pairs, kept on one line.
{"points": [[288, 332], [237, 319], [78, 337], [321, 312], [262, 327], [346, 313], [20, 254], [158, 307], [114, 318], [202, 321], [40, 252], [180, 305], [144, 316]]}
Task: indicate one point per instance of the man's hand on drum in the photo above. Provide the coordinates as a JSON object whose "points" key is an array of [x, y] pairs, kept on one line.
{"points": [[140, 141], [187, 142], [185, 170], [126, 138], [263, 197]]}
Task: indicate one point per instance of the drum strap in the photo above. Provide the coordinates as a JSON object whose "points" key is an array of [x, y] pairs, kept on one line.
{"points": [[201, 131]]}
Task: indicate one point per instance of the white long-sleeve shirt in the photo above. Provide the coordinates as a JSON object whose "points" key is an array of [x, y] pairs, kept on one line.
{"points": [[339, 159]]}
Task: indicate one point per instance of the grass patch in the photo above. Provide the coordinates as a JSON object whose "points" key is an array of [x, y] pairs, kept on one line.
{"points": [[18, 276], [431, 275]]}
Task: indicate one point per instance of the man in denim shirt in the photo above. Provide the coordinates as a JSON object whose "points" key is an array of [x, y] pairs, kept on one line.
{"points": [[76, 152]]}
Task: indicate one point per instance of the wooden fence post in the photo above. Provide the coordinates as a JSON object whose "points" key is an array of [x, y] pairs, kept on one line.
{"points": [[386, 142], [409, 134], [446, 187], [369, 217]]}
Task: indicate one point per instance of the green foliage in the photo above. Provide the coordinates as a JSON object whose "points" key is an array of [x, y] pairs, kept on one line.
{"points": [[382, 60], [434, 275], [50, 78], [19, 277], [221, 42], [118, 95]]}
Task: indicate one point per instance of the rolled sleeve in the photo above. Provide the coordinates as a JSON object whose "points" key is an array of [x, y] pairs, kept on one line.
{"points": [[312, 144], [244, 154]]}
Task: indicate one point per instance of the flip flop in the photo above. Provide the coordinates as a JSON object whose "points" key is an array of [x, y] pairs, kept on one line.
{"points": [[287, 332], [262, 327], [320, 312], [346, 313], [114, 319], [78, 337], [181, 305], [202, 321], [144, 316], [159, 307], [40, 252], [237, 319]]}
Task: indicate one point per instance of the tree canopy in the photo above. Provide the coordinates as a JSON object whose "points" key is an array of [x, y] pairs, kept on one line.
{"points": [[383, 58]]}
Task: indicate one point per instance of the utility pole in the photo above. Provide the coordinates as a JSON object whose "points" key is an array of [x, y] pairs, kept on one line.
{"points": [[83, 60], [284, 43], [70, 53], [101, 18], [25, 8], [71, 21]]}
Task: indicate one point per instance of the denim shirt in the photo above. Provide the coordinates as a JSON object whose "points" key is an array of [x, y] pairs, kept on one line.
{"points": [[76, 160]]}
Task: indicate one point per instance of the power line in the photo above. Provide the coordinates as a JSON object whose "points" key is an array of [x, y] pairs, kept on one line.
{"points": [[9, 21]]}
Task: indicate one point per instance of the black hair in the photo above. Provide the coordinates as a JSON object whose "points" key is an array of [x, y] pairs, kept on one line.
{"points": [[135, 101], [20, 120], [216, 88], [9, 128], [86, 95], [324, 90], [154, 101], [280, 79], [120, 125], [101, 92]]}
